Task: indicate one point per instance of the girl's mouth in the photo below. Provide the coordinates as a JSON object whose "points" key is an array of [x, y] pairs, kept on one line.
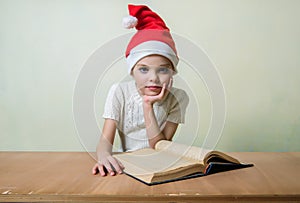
{"points": [[153, 88]]}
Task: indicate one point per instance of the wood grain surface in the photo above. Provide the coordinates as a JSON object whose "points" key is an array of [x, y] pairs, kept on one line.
{"points": [[67, 176]]}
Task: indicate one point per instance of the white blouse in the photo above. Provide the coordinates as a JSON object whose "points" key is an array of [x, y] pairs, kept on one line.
{"points": [[124, 105]]}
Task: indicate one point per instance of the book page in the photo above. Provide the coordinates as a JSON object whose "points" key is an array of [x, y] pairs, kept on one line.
{"points": [[191, 152], [150, 161]]}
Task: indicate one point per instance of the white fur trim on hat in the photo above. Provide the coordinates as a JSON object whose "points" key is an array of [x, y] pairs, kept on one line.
{"points": [[150, 48]]}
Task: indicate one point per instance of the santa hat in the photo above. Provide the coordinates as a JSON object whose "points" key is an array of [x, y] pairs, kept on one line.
{"points": [[152, 36]]}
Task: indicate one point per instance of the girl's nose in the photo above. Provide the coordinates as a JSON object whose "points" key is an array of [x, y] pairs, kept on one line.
{"points": [[153, 77]]}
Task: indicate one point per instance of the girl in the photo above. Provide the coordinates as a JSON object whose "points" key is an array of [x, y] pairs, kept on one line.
{"points": [[147, 109]]}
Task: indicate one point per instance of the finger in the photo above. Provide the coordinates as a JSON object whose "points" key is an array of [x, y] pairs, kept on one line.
{"points": [[101, 170], [115, 164], [109, 169], [95, 169], [170, 83], [162, 92], [121, 165]]}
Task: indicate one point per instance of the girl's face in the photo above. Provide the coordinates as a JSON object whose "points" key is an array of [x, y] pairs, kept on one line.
{"points": [[150, 73]]}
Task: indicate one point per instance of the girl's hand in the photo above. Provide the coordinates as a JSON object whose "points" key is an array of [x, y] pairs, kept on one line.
{"points": [[163, 93], [107, 164]]}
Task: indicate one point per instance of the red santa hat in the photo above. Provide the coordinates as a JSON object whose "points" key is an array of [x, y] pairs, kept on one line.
{"points": [[152, 36]]}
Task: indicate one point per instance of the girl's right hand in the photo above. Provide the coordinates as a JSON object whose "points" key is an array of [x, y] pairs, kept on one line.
{"points": [[107, 164]]}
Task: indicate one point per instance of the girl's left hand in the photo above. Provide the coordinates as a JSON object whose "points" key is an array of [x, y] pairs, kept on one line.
{"points": [[163, 93]]}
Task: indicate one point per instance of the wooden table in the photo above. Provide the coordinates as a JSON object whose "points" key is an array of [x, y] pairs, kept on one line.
{"points": [[66, 176]]}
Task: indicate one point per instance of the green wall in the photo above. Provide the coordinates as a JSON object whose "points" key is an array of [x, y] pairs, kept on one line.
{"points": [[254, 45]]}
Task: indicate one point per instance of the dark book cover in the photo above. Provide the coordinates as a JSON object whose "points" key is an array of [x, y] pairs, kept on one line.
{"points": [[213, 167]]}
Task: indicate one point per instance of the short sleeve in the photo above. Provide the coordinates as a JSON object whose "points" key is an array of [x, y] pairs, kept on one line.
{"points": [[113, 104], [179, 103]]}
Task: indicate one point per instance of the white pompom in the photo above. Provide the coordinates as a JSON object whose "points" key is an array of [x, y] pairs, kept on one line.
{"points": [[129, 22]]}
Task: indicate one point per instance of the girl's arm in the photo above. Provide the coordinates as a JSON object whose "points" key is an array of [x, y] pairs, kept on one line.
{"points": [[154, 133], [106, 162]]}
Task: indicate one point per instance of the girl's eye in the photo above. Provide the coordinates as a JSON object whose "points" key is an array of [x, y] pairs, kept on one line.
{"points": [[164, 70], [143, 69]]}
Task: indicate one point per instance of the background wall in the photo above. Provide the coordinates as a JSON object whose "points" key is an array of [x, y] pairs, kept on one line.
{"points": [[254, 44]]}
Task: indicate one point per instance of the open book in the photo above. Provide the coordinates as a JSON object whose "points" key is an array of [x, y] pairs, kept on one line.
{"points": [[171, 161]]}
